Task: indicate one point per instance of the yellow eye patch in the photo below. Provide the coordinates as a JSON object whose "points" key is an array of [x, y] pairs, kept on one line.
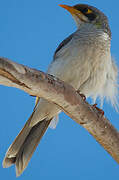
{"points": [[88, 11]]}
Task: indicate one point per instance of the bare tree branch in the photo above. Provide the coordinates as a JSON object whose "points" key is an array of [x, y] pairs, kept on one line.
{"points": [[40, 84]]}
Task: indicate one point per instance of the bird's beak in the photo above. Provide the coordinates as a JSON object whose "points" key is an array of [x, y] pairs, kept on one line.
{"points": [[73, 11]]}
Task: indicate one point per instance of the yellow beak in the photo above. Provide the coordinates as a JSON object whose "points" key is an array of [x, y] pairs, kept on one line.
{"points": [[71, 9]]}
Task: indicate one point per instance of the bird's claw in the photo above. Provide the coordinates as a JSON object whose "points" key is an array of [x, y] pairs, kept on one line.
{"points": [[98, 109], [82, 95]]}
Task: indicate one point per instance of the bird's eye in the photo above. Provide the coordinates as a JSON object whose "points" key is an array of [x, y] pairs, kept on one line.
{"points": [[89, 13], [86, 11]]}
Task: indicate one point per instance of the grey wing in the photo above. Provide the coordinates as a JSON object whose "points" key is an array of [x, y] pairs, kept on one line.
{"points": [[68, 63], [63, 45]]}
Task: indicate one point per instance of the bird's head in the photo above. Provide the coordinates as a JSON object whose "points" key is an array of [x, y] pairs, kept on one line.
{"points": [[83, 13]]}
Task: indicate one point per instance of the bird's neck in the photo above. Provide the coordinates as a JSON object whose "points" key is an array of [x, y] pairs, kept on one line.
{"points": [[91, 30]]}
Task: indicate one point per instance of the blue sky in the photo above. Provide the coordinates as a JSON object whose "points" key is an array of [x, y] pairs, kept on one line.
{"points": [[30, 31]]}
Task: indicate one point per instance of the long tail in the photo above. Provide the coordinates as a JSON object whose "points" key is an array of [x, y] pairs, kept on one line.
{"points": [[21, 150]]}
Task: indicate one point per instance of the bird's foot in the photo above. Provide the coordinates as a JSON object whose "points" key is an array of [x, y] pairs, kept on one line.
{"points": [[82, 95], [98, 109]]}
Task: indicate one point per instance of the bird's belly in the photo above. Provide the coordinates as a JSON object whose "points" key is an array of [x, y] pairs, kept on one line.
{"points": [[71, 70], [95, 83], [86, 72]]}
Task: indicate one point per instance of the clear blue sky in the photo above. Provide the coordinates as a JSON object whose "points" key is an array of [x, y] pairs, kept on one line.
{"points": [[30, 31]]}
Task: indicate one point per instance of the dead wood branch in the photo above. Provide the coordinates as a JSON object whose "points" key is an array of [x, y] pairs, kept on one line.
{"points": [[40, 84]]}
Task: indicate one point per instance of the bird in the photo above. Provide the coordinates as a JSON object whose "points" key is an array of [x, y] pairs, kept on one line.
{"points": [[84, 61]]}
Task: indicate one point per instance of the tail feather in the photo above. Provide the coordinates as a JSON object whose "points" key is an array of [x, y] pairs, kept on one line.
{"points": [[25, 153], [17, 143], [21, 150]]}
